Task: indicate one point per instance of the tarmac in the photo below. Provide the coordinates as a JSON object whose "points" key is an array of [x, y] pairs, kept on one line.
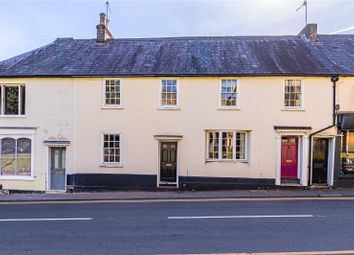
{"points": [[168, 195]]}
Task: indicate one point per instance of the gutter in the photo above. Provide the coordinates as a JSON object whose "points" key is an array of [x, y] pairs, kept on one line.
{"points": [[334, 80], [137, 75]]}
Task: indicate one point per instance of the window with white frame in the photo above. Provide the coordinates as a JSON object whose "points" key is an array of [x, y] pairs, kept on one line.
{"points": [[293, 93], [226, 145], [112, 93], [12, 99], [112, 149], [15, 156], [169, 93], [229, 93]]}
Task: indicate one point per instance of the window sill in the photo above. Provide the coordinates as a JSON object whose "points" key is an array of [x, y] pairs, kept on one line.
{"points": [[227, 161], [111, 165], [112, 107], [172, 108], [13, 116], [19, 178], [292, 110], [228, 108]]}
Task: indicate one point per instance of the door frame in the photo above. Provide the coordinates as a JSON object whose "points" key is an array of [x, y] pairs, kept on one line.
{"points": [[167, 138], [50, 147], [303, 156], [331, 159]]}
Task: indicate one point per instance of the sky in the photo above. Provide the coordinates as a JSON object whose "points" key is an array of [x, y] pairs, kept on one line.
{"points": [[29, 24]]}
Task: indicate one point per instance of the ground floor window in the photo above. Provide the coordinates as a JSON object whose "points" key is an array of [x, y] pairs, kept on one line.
{"points": [[347, 153], [112, 149], [15, 156], [226, 145]]}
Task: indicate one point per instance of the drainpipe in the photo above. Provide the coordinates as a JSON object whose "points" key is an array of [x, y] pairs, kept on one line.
{"points": [[334, 80]]}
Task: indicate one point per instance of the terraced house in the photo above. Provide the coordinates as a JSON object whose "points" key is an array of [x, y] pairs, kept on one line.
{"points": [[179, 112]]}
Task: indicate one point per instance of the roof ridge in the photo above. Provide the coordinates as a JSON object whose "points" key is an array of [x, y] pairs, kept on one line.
{"points": [[190, 37]]}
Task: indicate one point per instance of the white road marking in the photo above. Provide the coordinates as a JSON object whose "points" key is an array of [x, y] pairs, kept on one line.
{"points": [[279, 253], [240, 217], [178, 200], [45, 219]]}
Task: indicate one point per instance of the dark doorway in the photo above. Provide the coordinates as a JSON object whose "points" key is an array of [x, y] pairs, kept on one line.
{"points": [[168, 162], [320, 160], [57, 168]]}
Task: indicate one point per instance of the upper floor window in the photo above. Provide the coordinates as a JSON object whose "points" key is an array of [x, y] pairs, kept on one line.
{"points": [[112, 93], [15, 156], [169, 93], [112, 149], [293, 94], [226, 145], [229, 93], [12, 99]]}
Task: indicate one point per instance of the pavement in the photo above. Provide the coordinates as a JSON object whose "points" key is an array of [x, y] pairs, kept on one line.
{"points": [[150, 195]]}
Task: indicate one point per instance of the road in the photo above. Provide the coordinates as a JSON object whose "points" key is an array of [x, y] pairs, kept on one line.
{"points": [[177, 227]]}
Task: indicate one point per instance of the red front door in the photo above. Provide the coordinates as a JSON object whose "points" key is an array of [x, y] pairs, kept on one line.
{"points": [[289, 157]]}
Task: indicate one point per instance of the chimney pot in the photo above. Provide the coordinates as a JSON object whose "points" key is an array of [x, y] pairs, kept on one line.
{"points": [[103, 32], [309, 32], [103, 18]]}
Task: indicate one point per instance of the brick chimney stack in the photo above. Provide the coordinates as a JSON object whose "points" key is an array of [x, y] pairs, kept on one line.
{"points": [[309, 32], [103, 32]]}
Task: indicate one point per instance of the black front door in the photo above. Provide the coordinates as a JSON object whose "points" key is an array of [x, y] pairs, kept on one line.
{"points": [[320, 160], [168, 162]]}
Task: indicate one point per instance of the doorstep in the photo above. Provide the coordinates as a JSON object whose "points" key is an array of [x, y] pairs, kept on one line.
{"points": [[291, 185]]}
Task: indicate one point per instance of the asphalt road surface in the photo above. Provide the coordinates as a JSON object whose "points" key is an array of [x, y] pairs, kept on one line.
{"points": [[178, 227]]}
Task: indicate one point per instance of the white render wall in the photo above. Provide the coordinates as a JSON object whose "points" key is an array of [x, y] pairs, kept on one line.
{"points": [[261, 104], [71, 109], [49, 104]]}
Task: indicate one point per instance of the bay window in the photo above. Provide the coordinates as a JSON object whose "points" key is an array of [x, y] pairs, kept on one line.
{"points": [[15, 156], [226, 145]]}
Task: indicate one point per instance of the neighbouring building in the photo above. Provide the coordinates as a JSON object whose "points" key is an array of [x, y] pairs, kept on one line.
{"points": [[201, 112]]}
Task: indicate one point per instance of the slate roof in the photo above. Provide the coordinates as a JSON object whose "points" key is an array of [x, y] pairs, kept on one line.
{"points": [[188, 56]]}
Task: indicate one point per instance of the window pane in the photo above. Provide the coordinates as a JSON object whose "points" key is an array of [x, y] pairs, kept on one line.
{"points": [[8, 156], [8, 147], [240, 145], [0, 99], [24, 166], [24, 147], [23, 100], [8, 166], [227, 145], [347, 153], [213, 145], [11, 98]]}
